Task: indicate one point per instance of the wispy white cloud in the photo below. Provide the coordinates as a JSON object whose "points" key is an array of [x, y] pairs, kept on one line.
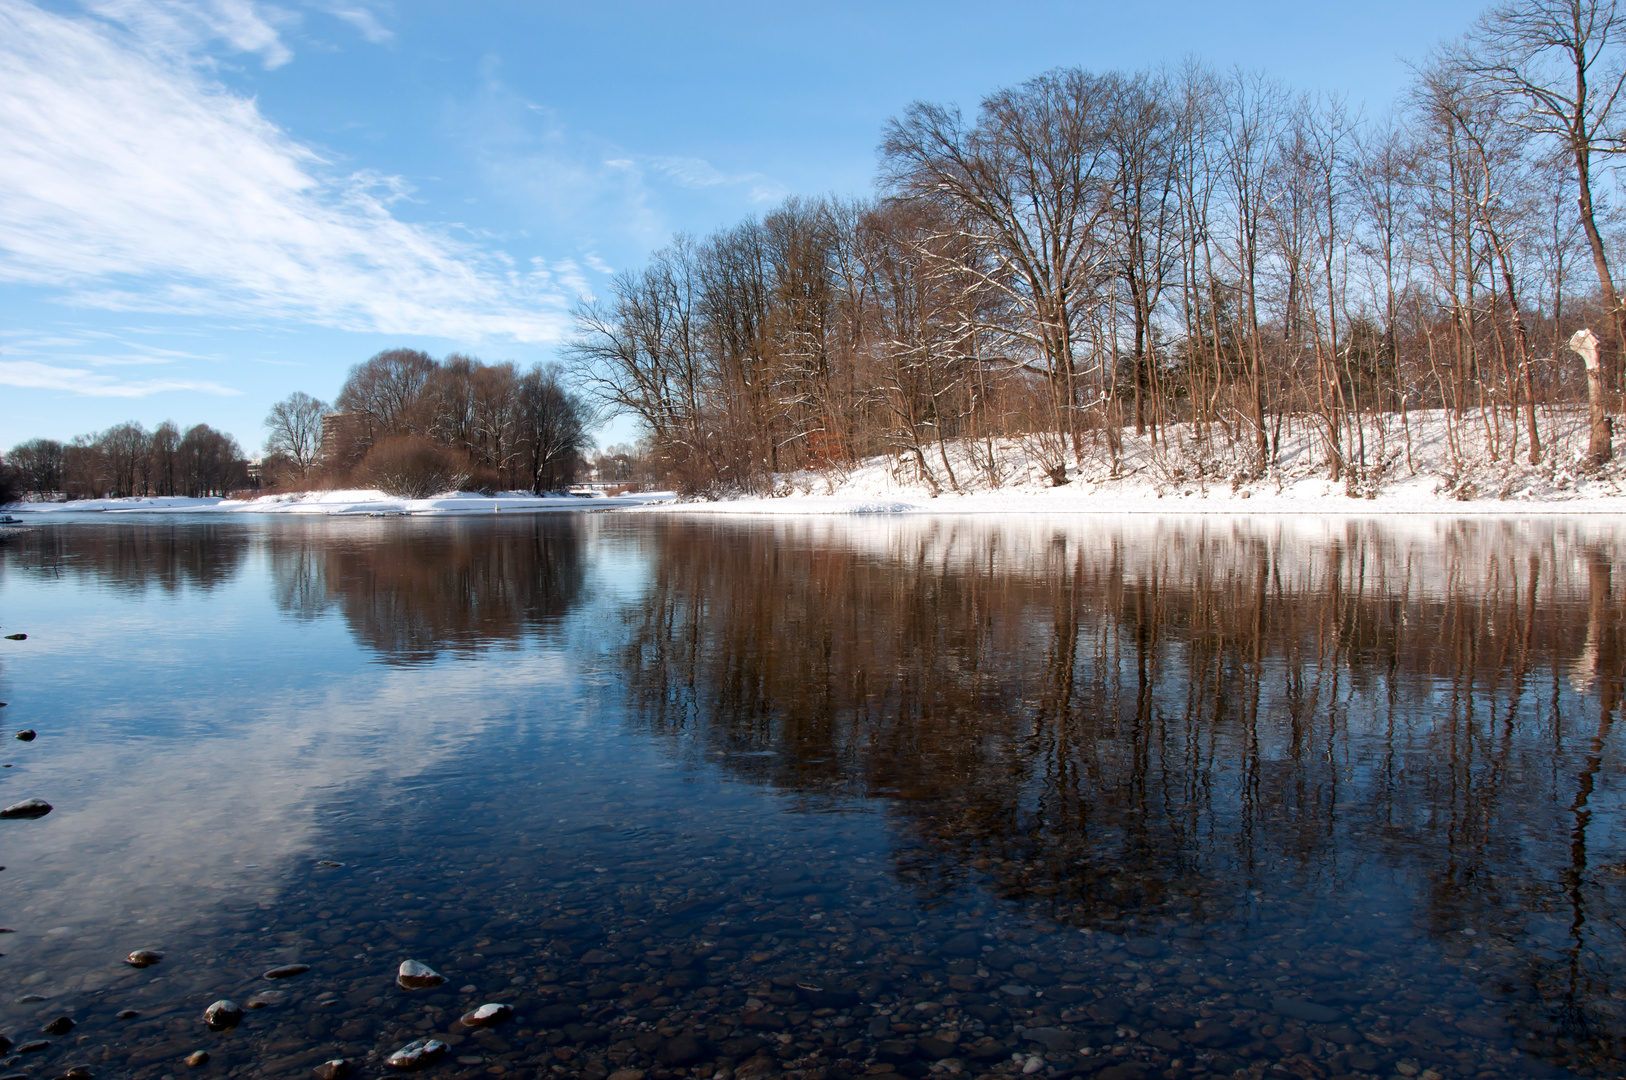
{"points": [[360, 17], [693, 172], [569, 177], [32, 374], [130, 180], [182, 29]]}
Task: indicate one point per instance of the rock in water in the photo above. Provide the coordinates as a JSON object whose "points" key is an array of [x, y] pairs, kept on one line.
{"points": [[287, 971], [5, 1045], [417, 1055], [25, 735], [337, 1069], [60, 1026], [142, 958], [416, 976], [28, 808], [489, 1015], [265, 1000], [16, 637], [223, 1014], [197, 1058], [1299, 1009]]}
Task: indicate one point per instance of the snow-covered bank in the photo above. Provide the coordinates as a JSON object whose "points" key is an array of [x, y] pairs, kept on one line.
{"points": [[359, 501], [1430, 464]]}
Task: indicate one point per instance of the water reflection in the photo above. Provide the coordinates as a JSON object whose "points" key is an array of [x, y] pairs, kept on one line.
{"points": [[1150, 729], [168, 557], [1189, 797], [412, 590]]}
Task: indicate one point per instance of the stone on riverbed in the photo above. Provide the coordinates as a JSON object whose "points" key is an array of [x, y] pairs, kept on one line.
{"points": [[417, 976], [197, 1059], [416, 1055], [488, 1015], [1308, 1011], [223, 1014], [25, 735], [334, 1069], [142, 958], [287, 971], [27, 809], [60, 1026]]}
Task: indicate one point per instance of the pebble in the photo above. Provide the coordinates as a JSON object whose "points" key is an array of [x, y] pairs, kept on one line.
{"points": [[5, 1044], [265, 999], [1308, 1011], [142, 958], [28, 808], [25, 735], [287, 971], [487, 1016], [16, 637], [33, 1047], [29, 999], [60, 1026], [197, 1058], [333, 1069], [126, 1014], [419, 1054], [417, 976], [223, 1014]]}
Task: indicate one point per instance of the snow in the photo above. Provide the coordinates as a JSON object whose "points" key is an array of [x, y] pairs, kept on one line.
{"points": [[358, 501], [1429, 465], [1474, 466]]}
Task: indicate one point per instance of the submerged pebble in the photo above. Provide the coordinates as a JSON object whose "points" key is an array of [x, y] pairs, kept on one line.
{"points": [[25, 735], [60, 1026], [413, 975], [197, 1058], [419, 1054], [222, 1015], [287, 971], [487, 1016], [332, 1069], [143, 958], [28, 808]]}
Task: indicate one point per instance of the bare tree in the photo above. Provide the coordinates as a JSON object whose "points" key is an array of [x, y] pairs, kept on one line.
{"points": [[295, 424], [1561, 62]]}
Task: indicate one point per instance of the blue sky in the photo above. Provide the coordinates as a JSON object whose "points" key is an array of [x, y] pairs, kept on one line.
{"points": [[208, 204]]}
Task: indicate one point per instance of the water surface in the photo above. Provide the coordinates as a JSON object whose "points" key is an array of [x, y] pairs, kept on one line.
{"points": [[1140, 798]]}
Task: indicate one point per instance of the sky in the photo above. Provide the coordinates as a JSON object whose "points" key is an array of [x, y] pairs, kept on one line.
{"points": [[206, 205]]}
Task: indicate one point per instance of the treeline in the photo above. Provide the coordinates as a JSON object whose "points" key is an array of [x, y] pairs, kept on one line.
{"points": [[416, 426], [127, 460], [1094, 253]]}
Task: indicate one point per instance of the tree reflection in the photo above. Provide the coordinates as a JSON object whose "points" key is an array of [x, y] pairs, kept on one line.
{"points": [[412, 590], [170, 556], [1143, 726]]}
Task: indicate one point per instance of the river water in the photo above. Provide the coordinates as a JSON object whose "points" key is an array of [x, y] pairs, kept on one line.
{"points": [[1141, 799]]}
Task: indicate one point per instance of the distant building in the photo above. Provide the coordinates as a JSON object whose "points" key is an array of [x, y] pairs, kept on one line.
{"points": [[345, 441]]}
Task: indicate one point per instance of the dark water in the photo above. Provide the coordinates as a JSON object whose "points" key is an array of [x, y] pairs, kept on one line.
{"points": [[819, 798]]}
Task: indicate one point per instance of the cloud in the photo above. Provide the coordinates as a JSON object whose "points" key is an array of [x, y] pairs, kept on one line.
{"points": [[33, 375], [692, 172], [180, 29], [565, 177], [130, 180], [363, 20]]}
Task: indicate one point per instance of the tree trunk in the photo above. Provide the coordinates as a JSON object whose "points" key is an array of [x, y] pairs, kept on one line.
{"points": [[1600, 446]]}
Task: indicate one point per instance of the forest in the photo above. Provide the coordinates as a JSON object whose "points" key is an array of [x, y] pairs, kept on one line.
{"points": [[1206, 259], [403, 422]]}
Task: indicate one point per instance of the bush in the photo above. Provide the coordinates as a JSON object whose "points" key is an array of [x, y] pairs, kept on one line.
{"points": [[413, 468], [11, 485]]}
